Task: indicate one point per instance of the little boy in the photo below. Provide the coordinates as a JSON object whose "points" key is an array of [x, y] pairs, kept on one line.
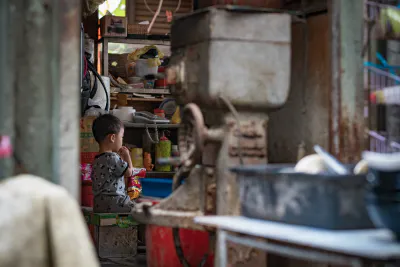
{"points": [[111, 166]]}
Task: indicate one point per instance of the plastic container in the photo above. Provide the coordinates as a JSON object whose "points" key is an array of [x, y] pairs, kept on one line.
{"points": [[163, 150], [322, 200], [159, 112], [383, 198], [160, 248], [137, 157], [149, 84], [156, 187], [142, 68], [134, 80], [161, 84], [124, 113], [161, 251]]}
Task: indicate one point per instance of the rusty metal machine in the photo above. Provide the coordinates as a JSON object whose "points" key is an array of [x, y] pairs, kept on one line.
{"points": [[230, 66]]}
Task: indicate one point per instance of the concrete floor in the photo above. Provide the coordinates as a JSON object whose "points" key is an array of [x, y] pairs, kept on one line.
{"points": [[137, 261]]}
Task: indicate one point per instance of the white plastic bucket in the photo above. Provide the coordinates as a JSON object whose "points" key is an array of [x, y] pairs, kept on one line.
{"points": [[142, 68]]}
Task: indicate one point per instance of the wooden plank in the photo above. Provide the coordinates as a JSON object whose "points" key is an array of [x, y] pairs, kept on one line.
{"points": [[142, 11], [130, 11], [184, 3], [141, 99], [159, 25], [135, 41], [161, 18], [172, 7], [159, 31]]}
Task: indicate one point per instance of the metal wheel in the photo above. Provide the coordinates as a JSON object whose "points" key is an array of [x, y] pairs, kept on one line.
{"points": [[191, 135]]}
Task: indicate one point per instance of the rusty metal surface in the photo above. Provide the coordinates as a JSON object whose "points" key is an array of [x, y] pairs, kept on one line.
{"points": [[250, 130], [305, 116], [347, 120], [227, 191]]}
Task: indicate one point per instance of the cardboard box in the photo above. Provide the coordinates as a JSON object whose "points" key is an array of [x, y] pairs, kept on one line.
{"points": [[113, 26], [115, 235], [89, 147]]}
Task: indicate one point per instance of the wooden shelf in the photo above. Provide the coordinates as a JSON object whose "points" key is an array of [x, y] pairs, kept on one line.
{"points": [[134, 41], [140, 99], [143, 125]]}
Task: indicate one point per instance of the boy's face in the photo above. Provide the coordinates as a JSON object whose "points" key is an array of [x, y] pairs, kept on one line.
{"points": [[117, 140]]}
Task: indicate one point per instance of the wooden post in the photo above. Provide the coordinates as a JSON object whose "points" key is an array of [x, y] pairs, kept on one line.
{"points": [[39, 96]]}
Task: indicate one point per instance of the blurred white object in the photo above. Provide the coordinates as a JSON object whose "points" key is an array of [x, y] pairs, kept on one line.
{"points": [[100, 98], [331, 161], [361, 167], [382, 161], [42, 225], [312, 164], [142, 68], [124, 113], [94, 112]]}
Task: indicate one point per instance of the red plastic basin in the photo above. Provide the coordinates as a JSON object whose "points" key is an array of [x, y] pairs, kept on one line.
{"points": [[161, 251], [160, 248]]}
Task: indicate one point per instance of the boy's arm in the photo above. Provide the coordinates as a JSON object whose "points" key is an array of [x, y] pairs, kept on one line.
{"points": [[128, 172], [125, 156]]}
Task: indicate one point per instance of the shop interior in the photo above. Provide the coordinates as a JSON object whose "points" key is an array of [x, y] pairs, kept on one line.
{"points": [[257, 132]]}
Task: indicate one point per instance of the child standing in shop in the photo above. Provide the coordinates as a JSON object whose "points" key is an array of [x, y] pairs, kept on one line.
{"points": [[111, 166]]}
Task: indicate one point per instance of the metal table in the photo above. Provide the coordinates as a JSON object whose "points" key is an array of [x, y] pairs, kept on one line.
{"points": [[350, 247]]}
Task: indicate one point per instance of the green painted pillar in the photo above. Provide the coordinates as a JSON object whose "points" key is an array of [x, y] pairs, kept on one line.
{"points": [[39, 94], [347, 98]]}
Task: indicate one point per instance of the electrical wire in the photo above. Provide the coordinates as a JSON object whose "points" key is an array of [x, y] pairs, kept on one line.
{"points": [[86, 66], [155, 17], [93, 69], [153, 20]]}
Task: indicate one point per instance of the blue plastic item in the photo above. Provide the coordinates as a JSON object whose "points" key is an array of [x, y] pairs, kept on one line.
{"points": [[384, 212], [383, 66], [156, 187]]}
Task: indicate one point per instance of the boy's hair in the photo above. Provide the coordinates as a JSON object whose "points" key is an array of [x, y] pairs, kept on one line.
{"points": [[104, 125]]}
